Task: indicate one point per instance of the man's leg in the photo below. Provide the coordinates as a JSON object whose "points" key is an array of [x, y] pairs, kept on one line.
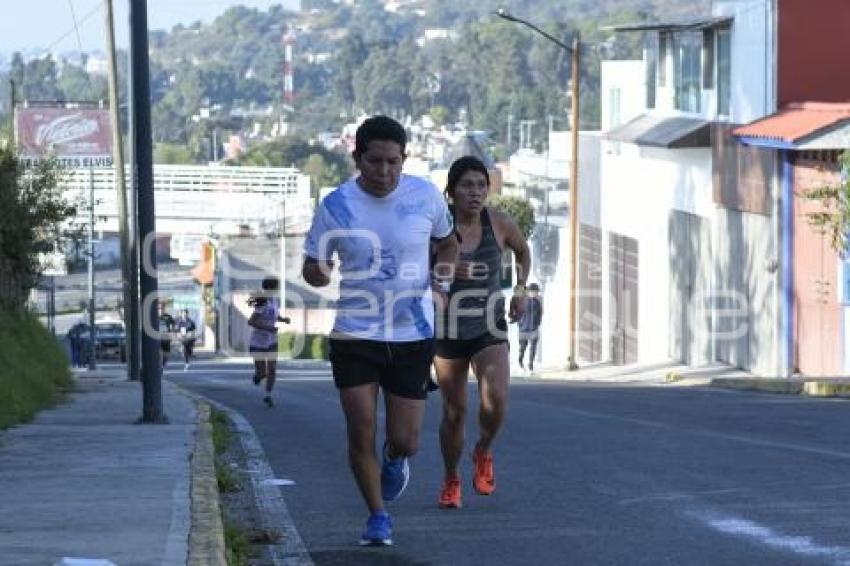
{"points": [[531, 353], [359, 403], [452, 375], [523, 343], [404, 420]]}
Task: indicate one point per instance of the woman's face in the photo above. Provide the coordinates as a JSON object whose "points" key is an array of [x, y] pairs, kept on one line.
{"points": [[470, 192]]}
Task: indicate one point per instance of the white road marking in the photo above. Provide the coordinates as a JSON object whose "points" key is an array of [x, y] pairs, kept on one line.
{"points": [[766, 536], [278, 481], [68, 561]]}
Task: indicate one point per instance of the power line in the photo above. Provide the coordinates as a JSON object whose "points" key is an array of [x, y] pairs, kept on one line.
{"points": [[76, 27], [88, 15]]}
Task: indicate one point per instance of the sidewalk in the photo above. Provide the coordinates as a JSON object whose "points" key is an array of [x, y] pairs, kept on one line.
{"points": [[717, 375], [666, 373], [83, 481]]}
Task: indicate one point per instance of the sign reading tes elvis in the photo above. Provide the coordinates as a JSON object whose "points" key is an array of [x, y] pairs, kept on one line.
{"points": [[75, 137]]}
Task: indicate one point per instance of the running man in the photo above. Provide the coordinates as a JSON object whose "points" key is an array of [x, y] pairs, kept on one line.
{"points": [[186, 327], [380, 226]]}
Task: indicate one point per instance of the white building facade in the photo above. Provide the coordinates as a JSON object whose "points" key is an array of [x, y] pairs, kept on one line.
{"points": [[684, 277]]}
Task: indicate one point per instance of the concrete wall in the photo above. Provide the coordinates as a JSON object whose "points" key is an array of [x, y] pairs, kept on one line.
{"points": [[813, 46], [639, 188], [623, 92], [745, 317], [589, 160], [753, 79]]}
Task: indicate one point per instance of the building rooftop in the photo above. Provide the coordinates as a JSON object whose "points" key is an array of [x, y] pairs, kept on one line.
{"points": [[800, 122]]}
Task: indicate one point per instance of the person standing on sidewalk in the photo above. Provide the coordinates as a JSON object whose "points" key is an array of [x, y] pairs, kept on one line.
{"points": [[166, 331], [529, 325], [380, 226], [474, 333], [263, 344], [186, 327], [78, 343]]}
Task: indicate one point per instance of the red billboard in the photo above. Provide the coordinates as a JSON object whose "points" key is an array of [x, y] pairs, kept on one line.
{"points": [[77, 137]]}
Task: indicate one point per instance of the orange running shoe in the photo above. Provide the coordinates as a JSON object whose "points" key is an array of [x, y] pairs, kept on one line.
{"points": [[484, 480], [450, 494]]}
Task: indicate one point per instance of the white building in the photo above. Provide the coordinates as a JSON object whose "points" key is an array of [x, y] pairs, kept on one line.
{"points": [[675, 257]]}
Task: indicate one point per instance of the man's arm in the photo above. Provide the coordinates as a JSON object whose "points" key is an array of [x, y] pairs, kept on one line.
{"points": [[316, 273], [445, 257]]}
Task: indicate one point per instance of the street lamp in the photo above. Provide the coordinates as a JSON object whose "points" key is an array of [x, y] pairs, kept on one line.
{"points": [[575, 52]]}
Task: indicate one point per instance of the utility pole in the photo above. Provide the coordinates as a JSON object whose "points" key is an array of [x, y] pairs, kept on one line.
{"points": [[134, 337], [574, 199], [92, 331], [152, 411], [575, 54], [120, 188], [12, 101]]}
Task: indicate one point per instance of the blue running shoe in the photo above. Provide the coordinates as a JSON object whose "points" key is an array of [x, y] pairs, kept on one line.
{"points": [[394, 477], [379, 530]]}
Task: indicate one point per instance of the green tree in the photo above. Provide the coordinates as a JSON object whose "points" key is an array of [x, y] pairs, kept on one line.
{"points": [[325, 167], [31, 211], [833, 218], [517, 208], [172, 154]]}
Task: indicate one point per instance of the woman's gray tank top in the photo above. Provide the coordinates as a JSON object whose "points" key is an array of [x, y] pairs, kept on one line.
{"points": [[484, 289]]}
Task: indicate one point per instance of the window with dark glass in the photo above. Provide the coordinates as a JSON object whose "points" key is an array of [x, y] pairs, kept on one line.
{"points": [[687, 71], [724, 70], [663, 42], [708, 58], [651, 48]]}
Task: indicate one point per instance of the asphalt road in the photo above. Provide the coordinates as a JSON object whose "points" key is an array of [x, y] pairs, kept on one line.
{"points": [[586, 474]]}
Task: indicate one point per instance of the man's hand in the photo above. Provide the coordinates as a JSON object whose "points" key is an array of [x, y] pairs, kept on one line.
{"points": [[317, 273], [440, 294], [517, 308]]}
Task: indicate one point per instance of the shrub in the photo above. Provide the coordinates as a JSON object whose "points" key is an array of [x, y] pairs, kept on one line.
{"points": [[34, 370], [319, 347]]}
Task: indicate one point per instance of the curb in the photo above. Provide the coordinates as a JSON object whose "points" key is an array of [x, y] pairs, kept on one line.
{"points": [[767, 385], [790, 386], [291, 550], [206, 536]]}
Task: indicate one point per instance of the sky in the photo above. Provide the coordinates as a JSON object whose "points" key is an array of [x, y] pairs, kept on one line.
{"points": [[35, 25]]}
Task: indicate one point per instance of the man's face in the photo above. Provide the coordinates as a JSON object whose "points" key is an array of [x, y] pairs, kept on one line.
{"points": [[380, 167]]}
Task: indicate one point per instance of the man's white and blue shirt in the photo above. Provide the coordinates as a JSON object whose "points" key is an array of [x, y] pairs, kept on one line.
{"points": [[382, 244]]}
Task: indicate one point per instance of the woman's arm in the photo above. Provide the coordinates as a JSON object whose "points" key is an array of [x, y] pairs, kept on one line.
{"points": [[256, 321], [510, 236]]}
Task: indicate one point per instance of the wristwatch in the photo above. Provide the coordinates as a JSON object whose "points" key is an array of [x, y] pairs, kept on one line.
{"points": [[443, 285]]}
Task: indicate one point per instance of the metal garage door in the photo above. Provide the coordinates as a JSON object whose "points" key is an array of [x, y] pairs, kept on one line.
{"points": [[623, 265]]}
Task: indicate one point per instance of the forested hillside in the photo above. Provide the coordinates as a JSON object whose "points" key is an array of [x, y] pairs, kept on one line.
{"points": [[456, 60]]}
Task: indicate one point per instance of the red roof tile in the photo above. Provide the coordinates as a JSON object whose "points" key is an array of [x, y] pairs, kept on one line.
{"points": [[796, 121]]}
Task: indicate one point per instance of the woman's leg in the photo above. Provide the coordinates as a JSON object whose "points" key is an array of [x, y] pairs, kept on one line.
{"points": [[452, 376], [492, 368]]}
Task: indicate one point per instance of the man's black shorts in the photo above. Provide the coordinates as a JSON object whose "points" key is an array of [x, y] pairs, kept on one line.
{"points": [[453, 349], [401, 368]]}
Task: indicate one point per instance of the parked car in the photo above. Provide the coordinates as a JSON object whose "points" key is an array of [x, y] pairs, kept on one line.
{"points": [[110, 340]]}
